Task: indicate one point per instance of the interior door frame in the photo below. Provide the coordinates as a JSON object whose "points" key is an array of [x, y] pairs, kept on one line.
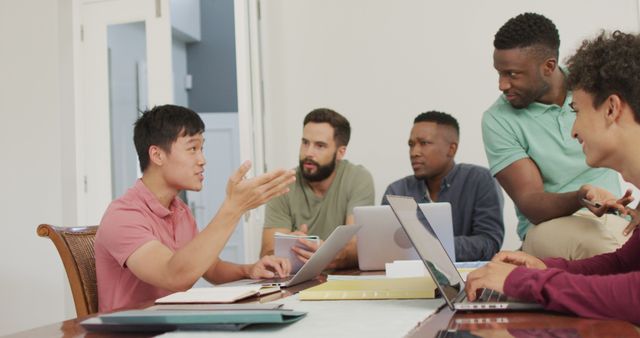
{"points": [[93, 149], [93, 186], [250, 109], [222, 141]]}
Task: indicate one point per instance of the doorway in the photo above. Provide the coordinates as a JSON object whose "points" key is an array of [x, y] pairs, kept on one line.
{"points": [[139, 53]]}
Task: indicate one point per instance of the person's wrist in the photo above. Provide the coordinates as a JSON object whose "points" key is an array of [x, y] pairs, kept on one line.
{"points": [[580, 194], [230, 208], [246, 270]]}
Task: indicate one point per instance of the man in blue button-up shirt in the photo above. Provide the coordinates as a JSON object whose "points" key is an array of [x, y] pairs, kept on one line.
{"points": [[475, 197]]}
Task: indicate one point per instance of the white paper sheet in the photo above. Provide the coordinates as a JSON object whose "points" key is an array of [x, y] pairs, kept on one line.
{"points": [[415, 268]]}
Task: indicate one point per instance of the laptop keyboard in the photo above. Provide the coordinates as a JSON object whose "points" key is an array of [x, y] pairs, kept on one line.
{"points": [[274, 280], [492, 296]]}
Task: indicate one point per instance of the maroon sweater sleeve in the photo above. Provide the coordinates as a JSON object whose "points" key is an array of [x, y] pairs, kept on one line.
{"points": [[605, 286], [613, 296]]}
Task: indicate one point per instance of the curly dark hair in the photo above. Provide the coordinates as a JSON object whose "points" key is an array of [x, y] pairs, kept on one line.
{"points": [[341, 126], [606, 65], [529, 30], [438, 118]]}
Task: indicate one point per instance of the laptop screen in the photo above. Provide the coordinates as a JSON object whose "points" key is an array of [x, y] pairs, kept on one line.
{"points": [[428, 246]]}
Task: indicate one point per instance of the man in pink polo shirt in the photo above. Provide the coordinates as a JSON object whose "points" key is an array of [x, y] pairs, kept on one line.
{"points": [[148, 244]]}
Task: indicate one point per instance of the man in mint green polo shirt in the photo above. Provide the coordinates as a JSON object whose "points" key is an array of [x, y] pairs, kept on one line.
{"points": [[527, 138]]}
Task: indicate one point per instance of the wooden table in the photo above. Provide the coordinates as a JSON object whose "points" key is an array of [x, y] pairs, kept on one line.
{"points": [[522, 324], [495, 324], [71, 328]]}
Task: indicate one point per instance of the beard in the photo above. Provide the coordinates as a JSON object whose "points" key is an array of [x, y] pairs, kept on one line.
{"points": [[527, 97], [322, 171]]}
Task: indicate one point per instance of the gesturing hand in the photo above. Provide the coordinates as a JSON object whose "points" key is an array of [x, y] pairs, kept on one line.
{"points": [[246, 194], [635, 220], [602, 201]]}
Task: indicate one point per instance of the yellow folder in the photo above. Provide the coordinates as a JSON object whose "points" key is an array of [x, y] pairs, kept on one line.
{"points": [[386, 288]]}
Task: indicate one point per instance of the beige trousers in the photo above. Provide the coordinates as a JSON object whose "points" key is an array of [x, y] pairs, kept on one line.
{"points": [[578, 236]]}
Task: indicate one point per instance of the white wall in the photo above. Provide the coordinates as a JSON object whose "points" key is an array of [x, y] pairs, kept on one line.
{"points": [[185, 19], [185, 24], [381, 62], [37, 164], [128, 90], [179, 61]]}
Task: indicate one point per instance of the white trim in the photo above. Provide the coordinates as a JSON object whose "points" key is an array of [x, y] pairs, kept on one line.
{"points": [[249, 79], [92, 124], [76, 191], [638, 12], [77, 109]]}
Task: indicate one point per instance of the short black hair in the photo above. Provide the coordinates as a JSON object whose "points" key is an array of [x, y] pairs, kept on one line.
{"points": [[438, 117], [161, 126], [529, 30], [606, 65], [341, 127]]}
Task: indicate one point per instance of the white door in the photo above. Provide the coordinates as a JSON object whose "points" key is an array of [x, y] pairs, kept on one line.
{"points": [[222, 152], [153, 85], [250, 111]]}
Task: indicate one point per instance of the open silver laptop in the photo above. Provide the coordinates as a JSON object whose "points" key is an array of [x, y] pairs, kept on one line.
{"points": [[442, 270], [319, 260], [380, 228]]}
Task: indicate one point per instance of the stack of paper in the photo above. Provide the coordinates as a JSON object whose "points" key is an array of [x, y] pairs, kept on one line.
{"points": [[402, 269], [416, 268], [217, 294], [283, 245], [387, 288], [354, 277]]}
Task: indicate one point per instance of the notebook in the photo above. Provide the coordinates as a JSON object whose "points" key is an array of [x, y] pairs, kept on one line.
{"points": [[381, 288], [380, 227], [336, 241], [217, 294], [284, 243], [439, 264]]}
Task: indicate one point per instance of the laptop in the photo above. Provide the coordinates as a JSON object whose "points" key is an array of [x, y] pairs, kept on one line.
{"points": [[337, 240], [437, 261], [380, 227]]}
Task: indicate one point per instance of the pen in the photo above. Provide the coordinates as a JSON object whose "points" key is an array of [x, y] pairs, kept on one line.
{"points": [[599, 205]]}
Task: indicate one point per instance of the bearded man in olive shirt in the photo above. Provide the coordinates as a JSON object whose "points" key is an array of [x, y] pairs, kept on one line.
{"points": [[327, 190]]}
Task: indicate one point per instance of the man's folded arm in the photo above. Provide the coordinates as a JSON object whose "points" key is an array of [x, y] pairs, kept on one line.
{"points": [[523, 182]]}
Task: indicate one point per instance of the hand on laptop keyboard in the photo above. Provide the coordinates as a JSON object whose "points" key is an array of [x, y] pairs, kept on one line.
{"points": [[490, 276], [269, 267], [519, 258], [488, 295]]}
